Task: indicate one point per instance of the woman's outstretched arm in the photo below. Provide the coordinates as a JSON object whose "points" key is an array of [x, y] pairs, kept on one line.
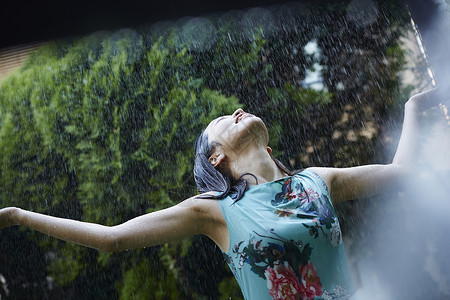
{"points": [[185, 219], [364, 181]]}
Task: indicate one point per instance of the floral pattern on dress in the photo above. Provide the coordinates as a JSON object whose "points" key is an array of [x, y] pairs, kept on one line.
{"points": [[335, 234], [229, 261], [338, 292], [308, 195], [303, 203], [331, 224], [284, 212], [284, 264], [310, 207], [286, 195]]}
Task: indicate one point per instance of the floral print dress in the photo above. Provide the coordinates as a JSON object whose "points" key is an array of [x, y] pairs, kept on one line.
{"points": [[285, 241]]}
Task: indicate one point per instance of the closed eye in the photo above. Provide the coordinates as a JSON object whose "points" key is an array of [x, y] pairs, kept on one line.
{"points": [[220, 119]]}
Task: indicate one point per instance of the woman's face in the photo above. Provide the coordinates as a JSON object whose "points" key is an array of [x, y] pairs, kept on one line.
{"points": [[237, 131]]}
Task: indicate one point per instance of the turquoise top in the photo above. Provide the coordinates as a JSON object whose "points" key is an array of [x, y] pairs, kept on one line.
{"points": [[285, 241]]}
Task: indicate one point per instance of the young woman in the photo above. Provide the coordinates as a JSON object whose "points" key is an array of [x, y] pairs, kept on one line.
{"points": [[278, 231]]}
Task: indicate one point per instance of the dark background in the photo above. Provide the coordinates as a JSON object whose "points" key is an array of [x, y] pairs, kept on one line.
{"points": [[25, 22], [33, 21]]}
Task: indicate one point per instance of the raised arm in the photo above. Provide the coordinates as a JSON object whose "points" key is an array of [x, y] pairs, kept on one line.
{"points": [[363, 181], [192, 216]]}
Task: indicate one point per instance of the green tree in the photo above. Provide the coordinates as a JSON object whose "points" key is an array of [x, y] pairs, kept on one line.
{"points": [[102, 129]]}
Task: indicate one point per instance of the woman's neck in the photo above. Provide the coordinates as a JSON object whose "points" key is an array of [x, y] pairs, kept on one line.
{"points": [[258, 162]]}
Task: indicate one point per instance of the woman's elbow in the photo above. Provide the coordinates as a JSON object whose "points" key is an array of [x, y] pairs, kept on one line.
{"points": [[108, 247], [110, 242]]}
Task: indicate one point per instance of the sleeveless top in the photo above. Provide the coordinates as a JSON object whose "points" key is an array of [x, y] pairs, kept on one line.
{"points": [[285, 241]]}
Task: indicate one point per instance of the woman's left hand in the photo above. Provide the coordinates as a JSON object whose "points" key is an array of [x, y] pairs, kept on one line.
{"points": [[430, 98], [8, 216]]}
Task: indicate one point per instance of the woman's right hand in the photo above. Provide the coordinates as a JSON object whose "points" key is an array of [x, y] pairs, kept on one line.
{"points": [[8, 216]]}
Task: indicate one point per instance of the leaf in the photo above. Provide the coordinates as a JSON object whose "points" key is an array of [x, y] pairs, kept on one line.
{"points": [[293, 255], [259, 270], [327, 222], [237, 246], [306, 254]]}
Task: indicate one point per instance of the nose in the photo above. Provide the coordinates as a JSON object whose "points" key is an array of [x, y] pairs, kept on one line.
{"points": [[237, 112]]}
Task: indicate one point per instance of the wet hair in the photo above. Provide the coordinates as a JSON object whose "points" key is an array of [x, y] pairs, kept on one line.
{"points": [[208, 178]]}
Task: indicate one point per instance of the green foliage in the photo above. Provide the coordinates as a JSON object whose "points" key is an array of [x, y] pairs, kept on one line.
{"points": [[147, 281], [66, 263], [228, 289], [102, 129]]}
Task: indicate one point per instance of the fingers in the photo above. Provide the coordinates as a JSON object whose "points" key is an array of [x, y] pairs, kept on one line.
{"points": [[433, 97]]}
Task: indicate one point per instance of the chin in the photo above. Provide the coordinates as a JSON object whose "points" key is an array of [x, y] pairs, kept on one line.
{"points": [[256, 129]]}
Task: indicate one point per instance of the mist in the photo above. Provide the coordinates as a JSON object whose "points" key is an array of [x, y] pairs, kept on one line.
{"points": [[408, 230]]}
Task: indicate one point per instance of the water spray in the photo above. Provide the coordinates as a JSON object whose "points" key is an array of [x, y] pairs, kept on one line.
{"points": [[430, 72]]}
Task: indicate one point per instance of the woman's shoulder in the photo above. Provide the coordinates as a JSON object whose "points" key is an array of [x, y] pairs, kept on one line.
{"points": [[205, 204], [212, 220], [323, 173]]}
